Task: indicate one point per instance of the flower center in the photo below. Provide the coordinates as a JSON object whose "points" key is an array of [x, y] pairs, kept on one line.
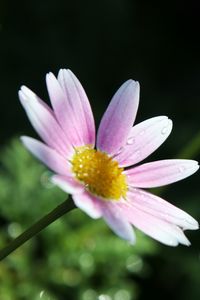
{"points": [[100, 174]]}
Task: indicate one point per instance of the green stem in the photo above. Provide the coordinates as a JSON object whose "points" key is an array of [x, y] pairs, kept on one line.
{"points": [[59, 211]]}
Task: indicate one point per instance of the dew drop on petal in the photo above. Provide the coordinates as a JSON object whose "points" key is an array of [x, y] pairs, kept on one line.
{"points": [[137, 153], [142, 132], [130, 141], [181, 169], [164, 130], [119, 151]]}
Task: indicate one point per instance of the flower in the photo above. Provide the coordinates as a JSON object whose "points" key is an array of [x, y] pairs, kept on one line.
{"points": [[103, 181]]}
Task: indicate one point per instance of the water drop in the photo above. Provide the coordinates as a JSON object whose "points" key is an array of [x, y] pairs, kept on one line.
{"points": [[164, 130], [181, 169], [130, 141], [119, 151], [137, 153], [166, 127], [142, 132]]}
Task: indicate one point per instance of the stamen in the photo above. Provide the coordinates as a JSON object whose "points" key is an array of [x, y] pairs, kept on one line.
{"points": [[100, 174]]}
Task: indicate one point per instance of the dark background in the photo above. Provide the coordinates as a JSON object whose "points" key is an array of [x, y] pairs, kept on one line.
{"points": [[105, 43]]}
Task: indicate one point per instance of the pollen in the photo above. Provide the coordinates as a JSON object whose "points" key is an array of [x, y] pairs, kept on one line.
{"points": [[100, 174]]}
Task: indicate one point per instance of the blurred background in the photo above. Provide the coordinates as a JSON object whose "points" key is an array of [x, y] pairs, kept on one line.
{"points": [[104, 43]]}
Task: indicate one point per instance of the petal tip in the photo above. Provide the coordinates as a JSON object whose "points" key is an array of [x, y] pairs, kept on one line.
{"points": [[197, 225], [185, 242], [21, 95], [192, 224], [131, 241], [196, 164], [23, 138], [132, 84], [167, 126], [190, 166], [48, 75], [26, 94]]}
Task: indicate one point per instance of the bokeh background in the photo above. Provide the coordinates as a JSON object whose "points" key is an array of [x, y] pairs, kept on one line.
{"points": [[104, 43]]}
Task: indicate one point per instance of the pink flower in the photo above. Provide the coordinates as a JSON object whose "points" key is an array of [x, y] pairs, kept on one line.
{"points": [[102, 180]]}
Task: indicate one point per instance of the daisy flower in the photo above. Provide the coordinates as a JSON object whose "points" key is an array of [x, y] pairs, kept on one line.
{"points": [[102, 173]]}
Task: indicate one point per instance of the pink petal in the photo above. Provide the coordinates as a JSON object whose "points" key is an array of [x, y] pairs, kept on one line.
{"points": [[118, 221], [76, 108], [118, 118], [167, 233], [160, 209], [67, 184], [88, 203], [159, 173], [50, 157], [42, 119], [63, 111], [144, 138]]}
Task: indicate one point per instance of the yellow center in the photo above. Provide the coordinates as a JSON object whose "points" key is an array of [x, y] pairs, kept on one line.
{"points": [[100, 174]]}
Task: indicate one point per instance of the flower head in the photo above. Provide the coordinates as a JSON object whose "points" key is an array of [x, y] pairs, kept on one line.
{"points": [[100, 173]]}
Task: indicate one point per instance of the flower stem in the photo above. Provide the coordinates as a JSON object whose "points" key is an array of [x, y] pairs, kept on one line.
{"points": [[59, 211]]}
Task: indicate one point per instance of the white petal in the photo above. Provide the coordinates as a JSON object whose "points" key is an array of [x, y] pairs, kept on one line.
{"points": [[77, 107], [50, 157], [44, 122], [161, 209], [67, 184], [63, 111], [118, 222], [166, 233], [118, 118], [88, 203], [144, 139], [162, 172]]}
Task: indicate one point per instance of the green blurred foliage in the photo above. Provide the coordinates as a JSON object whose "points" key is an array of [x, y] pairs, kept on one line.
{"points": [[75, 257]]}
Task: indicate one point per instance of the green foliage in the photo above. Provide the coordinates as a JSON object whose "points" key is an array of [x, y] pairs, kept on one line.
{"points": [[75, 257]]}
